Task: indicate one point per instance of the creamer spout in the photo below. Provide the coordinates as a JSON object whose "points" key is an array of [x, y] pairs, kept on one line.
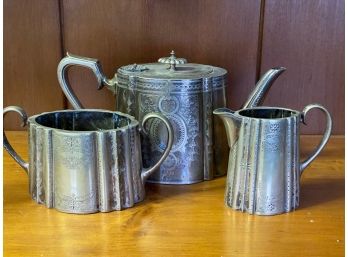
{"points": [[232, 123]]}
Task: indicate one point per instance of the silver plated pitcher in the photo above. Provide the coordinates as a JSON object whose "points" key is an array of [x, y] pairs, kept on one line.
{"points": [[86, 161], [264, 167], [187, 94]]}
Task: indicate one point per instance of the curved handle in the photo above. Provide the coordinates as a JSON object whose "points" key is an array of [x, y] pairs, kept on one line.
{"points": [[326, 135], [7, 145], [147, 172], [90, 63]]}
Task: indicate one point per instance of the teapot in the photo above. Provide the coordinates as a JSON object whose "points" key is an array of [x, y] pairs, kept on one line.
{"points": [[186, 94]]}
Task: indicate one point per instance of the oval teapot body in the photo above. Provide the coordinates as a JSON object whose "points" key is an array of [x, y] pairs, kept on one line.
{"points": [[186, 94], [199, 152]]}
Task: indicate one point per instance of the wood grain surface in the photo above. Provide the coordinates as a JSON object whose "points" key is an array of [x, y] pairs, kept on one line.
{"points": [[182, 220], [31, 55], [307, 37]]}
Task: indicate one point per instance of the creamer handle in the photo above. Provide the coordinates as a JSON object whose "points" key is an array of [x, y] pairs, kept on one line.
{"points": [[325, 138], [7, 144], [148, 171], [93, 64]]}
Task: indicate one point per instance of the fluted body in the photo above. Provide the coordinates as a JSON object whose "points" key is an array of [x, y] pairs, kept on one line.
{"points": [[264, 173], [86, 161], [264, 166], [85, 171]]}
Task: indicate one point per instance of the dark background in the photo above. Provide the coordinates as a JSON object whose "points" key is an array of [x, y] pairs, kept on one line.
{"points": [[246, 37]]}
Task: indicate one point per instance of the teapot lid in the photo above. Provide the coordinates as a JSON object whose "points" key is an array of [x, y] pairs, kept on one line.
{"points": [[171, 68], [172, 59]]}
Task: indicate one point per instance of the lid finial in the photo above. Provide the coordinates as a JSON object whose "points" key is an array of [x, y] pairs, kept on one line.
{"points": [[172, 60]]}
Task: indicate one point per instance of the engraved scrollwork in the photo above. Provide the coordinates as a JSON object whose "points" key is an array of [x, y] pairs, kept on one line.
{"points": [[136, 176], [185, 114], [158, 132], [121, 165], [170, 162], [148, 103], [131, 94], [73, 150], [272, 142], [269, 204], [116, 205], [76, 203], [135, 67], [169, 104], [274, 128], [177, 87], [39, 167], [191, 114]]}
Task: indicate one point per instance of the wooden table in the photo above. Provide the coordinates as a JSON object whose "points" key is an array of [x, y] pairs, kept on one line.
{"points": [[181, 220]]}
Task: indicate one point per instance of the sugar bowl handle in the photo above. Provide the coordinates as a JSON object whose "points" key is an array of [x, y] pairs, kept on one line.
{"points": [[93, 64], [7, 144], [146, 172], [326, 135]]}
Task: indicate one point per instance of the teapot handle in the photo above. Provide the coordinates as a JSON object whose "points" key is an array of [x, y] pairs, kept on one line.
{"points": [[93, 64], [7, 144], [326, 135], [146, 172]]}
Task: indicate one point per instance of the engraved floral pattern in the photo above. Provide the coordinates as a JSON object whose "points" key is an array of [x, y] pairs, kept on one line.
{"points": [[76, 203], [187, 152], [169, 104], [73, 150]]}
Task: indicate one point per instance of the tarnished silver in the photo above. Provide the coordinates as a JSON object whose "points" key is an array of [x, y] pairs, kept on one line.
{"points": [[264, 167], [172, 60], [86, 161], [186, 94]]}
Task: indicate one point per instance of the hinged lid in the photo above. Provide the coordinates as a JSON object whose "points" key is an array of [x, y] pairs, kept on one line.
{"points": [[170, 70]]}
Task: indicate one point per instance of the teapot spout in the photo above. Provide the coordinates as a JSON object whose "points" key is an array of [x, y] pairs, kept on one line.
{"points": [[263, 85], [232, 123]]}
